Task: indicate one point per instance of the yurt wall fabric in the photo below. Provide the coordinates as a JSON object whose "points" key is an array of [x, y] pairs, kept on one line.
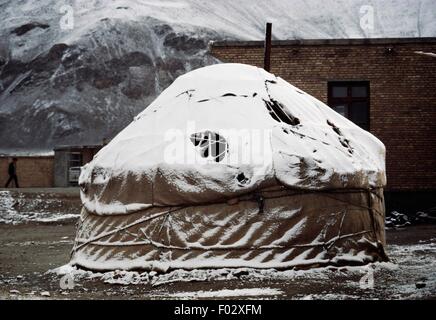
{"points": [[176, 189]]}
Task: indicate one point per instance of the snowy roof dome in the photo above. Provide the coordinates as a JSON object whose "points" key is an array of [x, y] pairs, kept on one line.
{"points": [[225, 130]]}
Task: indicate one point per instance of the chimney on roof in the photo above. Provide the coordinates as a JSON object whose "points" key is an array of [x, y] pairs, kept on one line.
{"points": [[267, 45]]}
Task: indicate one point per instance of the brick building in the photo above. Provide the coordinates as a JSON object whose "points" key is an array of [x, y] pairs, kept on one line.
{"points": [[387, 86], [58, 168], [33, 169], [67, 163]]}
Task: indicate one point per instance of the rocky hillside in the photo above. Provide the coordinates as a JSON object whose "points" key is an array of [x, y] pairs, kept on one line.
{"points": [[78, 74]]}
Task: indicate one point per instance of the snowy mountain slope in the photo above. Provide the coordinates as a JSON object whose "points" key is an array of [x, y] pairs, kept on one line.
{"points": [[79, 85]]}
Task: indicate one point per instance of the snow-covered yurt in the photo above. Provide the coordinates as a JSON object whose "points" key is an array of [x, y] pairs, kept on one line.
{"points": [[232, 166]]}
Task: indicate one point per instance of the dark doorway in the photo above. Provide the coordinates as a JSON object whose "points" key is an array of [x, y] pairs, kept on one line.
{"points": [[74, 164]]}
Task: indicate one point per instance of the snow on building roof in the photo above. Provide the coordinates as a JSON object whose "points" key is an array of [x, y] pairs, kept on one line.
{"points": [[26, 153]]}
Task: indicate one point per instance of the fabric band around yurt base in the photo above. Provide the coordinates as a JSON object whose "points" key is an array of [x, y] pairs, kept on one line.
{"points": [[277, 228]]}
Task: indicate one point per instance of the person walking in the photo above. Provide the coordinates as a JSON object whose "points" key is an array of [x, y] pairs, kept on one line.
{"points": [[12, 171]]}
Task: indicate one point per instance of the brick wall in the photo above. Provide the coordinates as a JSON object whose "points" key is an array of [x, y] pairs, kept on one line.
{"points": [[402, 92], [32, 171]]}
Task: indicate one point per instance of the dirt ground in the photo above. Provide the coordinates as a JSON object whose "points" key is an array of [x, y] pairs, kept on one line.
{"points": [[28, 251], [37, 228]]}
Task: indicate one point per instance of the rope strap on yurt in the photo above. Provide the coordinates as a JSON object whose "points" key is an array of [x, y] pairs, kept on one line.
{"points": [[260, 197]]}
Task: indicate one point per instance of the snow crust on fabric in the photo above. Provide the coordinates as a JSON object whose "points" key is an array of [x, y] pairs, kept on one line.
{"points": [[321, 150], [296, 230], [188, 185]]}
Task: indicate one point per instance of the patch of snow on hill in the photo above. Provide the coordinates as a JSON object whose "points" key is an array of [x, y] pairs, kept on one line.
{"points": [[80, 85]]}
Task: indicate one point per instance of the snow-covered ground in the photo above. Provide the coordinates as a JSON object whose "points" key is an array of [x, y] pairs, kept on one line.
{"points": [[411, 274], [31, 255], [232, 293], [17, 207]]}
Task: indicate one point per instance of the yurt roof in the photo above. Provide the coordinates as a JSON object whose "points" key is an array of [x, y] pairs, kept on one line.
{"points": [[164, 156]]}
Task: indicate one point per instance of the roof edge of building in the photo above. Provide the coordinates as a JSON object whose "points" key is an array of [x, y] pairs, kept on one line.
{"points": [[69, 147], [26, 154], [319, 42]]}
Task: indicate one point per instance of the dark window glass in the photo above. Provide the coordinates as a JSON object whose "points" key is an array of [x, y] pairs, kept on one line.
{"points": [[358, 92], [339, 92], [351, 100], [359, 113], [341, 109], [75, 159], [74, 163]]}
